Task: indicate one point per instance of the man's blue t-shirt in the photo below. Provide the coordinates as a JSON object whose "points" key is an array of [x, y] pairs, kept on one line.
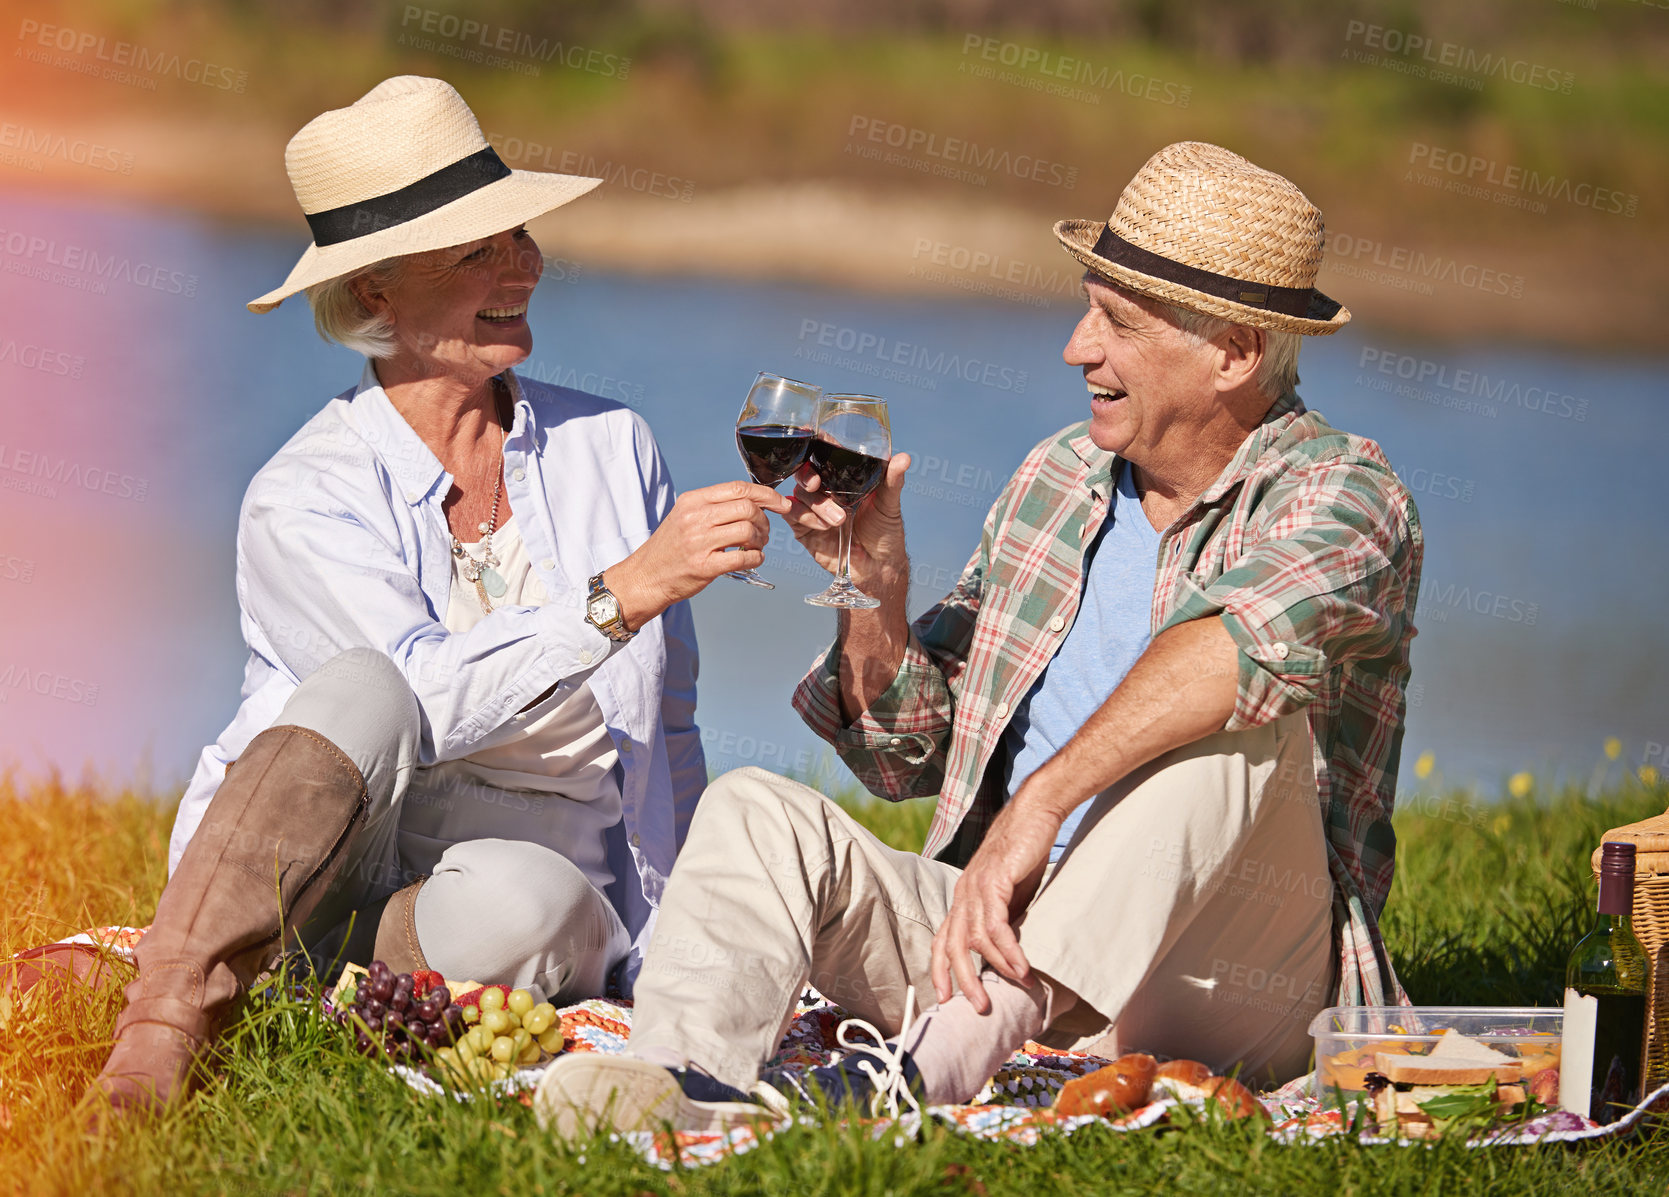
{"points": [[1111, 631]]}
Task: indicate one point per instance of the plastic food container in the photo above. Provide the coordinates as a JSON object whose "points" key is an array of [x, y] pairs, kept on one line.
{"points": [[1348, 1037]]}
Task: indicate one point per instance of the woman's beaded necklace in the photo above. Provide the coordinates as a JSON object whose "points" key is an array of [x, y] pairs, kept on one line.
{"points": [[489, 583]]}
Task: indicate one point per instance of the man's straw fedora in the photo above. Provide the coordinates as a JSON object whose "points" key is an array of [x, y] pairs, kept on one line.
{"points": [[1204, 229], [403, 170]]}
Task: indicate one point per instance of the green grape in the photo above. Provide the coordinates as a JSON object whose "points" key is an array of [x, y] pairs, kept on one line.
{"points": [[504, 1049], [497, 1022], [540, 1019], [521, 1001], [491, 999], [552, 1040]]}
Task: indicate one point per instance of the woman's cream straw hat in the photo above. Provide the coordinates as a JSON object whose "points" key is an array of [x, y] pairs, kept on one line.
{"points": [[404, 170], [1204, 229]]}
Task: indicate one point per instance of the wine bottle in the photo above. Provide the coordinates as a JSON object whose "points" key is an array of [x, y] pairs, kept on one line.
{"points": [[1605, 1002]]}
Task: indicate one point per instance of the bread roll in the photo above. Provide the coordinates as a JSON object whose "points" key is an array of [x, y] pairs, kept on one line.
{"points": [[1122, 1086], [1235, 1099], [1191, 1081], [1184, 1080]]}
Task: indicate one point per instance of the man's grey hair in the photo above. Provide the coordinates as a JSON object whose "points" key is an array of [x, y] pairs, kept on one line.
{"points": [[1277, 372], [341, 317]]}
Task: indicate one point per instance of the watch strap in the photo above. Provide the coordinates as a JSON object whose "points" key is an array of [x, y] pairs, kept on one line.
{"points": [[615, 629]]}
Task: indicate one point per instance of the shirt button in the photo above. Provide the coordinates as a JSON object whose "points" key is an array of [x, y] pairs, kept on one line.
{"points": [[636, 839], [625, 746], [585, 656], [895, 742], [411, 496], [519, 474], [521, 717], [1280, 649], [1057, 623], [1002, 710], [547, 563]]}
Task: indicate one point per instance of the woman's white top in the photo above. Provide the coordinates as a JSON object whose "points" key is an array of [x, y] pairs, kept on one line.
{"points": [[343, 543], [562, 752]]}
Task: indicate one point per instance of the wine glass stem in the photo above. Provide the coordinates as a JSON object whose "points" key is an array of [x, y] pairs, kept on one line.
{"points": [[846, 549]]}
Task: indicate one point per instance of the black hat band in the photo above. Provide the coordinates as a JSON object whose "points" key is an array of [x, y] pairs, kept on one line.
{"points": [[1304, 302], [408, 203]]}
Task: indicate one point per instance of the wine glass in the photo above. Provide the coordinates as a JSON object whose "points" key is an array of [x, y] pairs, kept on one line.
{"points": [[773, 432], [849, 452]]}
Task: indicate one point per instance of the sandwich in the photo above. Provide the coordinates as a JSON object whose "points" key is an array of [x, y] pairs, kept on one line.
{"points": [[1419, 1097]]}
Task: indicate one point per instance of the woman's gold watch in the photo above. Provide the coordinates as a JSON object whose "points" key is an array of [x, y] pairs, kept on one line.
{"points": [[602, 611]]}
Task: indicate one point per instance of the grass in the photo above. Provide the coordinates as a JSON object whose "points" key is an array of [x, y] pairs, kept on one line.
{"points": [[1488, 899]]}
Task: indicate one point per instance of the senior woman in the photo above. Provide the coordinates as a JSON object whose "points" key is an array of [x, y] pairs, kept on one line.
{"points": [[467, 730]]}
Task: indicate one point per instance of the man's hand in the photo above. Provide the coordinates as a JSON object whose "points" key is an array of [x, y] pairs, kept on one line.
{"points": [[689, 549], [878, 560], [1181, 688], [872, 643], [992, 891]]}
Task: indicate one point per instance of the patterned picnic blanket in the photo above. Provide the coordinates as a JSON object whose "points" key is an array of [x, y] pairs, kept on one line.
{"points": [[1015, 1105]]}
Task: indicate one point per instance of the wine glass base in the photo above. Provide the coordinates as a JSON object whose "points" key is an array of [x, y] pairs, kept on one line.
{"points": [[845, 596], [752, 578]]}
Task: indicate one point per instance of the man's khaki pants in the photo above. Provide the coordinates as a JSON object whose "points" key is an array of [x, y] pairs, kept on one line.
{"points": [[1192, 914]]}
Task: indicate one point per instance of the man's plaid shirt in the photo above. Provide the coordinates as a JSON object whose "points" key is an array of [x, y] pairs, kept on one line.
{"points": [[1307, 546]]}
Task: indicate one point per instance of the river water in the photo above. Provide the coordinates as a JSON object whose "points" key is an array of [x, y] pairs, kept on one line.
{"points": [[139, 397]]}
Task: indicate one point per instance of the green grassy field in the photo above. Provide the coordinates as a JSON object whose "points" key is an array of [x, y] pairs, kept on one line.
{"points": [[1487, 901]]}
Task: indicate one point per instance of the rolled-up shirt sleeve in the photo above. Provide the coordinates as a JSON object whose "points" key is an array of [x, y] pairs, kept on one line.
{"points": [[313, 581], [1328, 579], [898, 746]]}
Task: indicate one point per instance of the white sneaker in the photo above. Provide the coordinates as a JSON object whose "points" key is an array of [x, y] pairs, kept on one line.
{"points": [[583, 1093]]}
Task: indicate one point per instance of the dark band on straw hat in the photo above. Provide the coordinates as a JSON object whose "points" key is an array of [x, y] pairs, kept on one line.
{"points": [[1305, 302], [432, 191]]}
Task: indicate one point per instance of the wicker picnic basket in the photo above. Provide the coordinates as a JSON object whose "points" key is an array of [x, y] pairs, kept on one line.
{"points": [[1650, 838]]}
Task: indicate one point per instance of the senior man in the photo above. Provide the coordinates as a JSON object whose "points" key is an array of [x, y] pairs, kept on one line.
{"points": [[1161, 711]]}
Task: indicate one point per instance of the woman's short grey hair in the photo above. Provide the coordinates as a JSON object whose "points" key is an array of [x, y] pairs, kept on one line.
{"points": [[1277, 372], [341, 317]]}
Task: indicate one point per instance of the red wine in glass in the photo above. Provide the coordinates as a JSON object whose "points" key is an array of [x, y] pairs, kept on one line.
{"points": [[847, 474], [850, 454], [773, 432], [773, 451]]}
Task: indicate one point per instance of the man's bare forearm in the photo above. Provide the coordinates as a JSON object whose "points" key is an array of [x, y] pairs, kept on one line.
{"points": [[872, 644], [1181, 689]]}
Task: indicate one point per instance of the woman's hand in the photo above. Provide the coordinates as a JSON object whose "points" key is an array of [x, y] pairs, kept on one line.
{"points": [[689, 549], [879, 566]]}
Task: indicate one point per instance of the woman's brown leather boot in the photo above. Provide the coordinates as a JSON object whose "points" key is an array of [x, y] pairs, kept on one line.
{"points": [[271, 842], [397, 944]]}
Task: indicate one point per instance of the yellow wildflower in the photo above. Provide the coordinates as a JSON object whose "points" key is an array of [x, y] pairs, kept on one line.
{"points": [[1423, 766], [1648, 774], [1501, 823], [1519, 785], [1613, 748]]}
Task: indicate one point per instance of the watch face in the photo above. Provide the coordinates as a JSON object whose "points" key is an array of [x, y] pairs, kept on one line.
{"points": [[603, 609]]}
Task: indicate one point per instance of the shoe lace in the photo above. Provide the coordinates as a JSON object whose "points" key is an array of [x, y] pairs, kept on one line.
{"points": [[889, 1080], [774, 1099]]}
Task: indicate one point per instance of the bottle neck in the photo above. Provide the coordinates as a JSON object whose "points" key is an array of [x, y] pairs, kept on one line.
{"points": [[1606, 923], [1616, 895]]}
